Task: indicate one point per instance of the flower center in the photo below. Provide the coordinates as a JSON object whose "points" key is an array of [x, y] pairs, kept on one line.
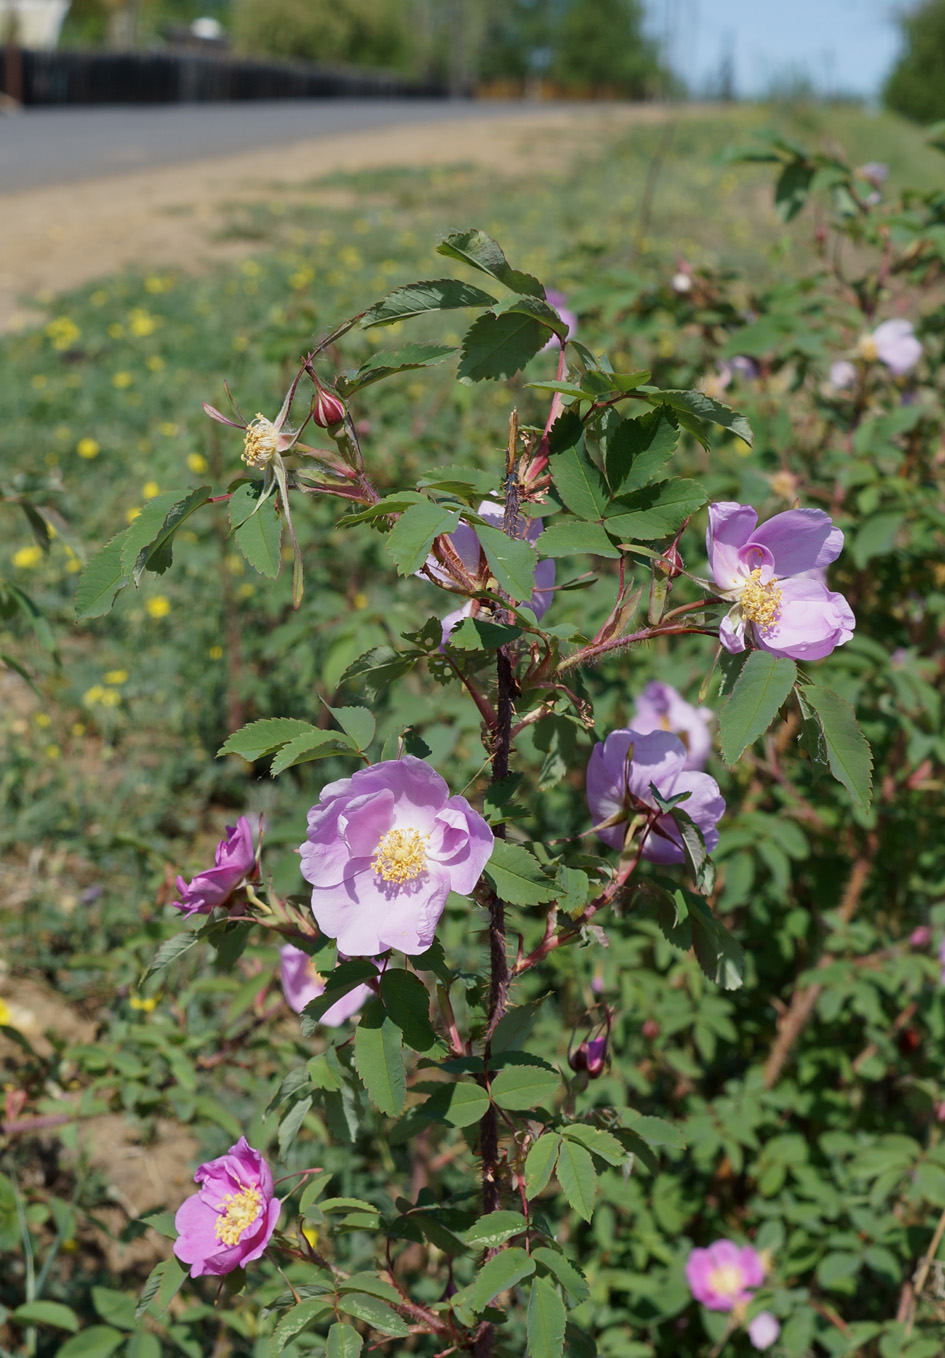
{"points": [[239, 1213], [760, 604], [726, 1281], [401, 855], [261, 442], [313, 974], [867, 347]]}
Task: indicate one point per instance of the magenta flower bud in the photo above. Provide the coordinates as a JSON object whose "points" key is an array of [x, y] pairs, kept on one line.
{"points": [[722, 1276], [590, 1056], [234, 866], [327, 409], [228, 1222], [921, 937]]}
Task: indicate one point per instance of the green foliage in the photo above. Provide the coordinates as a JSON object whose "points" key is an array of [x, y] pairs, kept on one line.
{"points": [[916, 85]]}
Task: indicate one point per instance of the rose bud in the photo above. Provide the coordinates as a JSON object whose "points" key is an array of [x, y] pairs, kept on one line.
{"points": [[327, 409]]}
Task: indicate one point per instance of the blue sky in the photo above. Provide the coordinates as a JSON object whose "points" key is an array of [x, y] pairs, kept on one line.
{"points": [[843, 46]]}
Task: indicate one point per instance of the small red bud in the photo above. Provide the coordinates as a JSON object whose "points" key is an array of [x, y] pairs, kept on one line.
{"points": [[672, 563], [590, 1056], [327, 409], [650, 1029]]}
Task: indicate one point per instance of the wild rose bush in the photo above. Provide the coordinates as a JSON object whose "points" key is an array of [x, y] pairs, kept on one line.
{"points": [[631, 1099]]}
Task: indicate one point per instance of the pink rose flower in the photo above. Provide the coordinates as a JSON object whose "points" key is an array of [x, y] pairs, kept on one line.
{"points": [[723, 1275], [228, 1222], [763, 1330], [234, 866], [619, 774], [301, 984], [384, 849], [894, 344], [661, 708], [766, 571]]}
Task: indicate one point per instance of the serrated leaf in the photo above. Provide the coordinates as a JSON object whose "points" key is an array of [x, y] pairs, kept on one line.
{"points": [[848, 751], [407, 1001], [416, 299], [345, 977], [761, 688], [576, 1175], [535, 307], [95, 1341], [260, 539], [53, 1313], [372, 1285], [566, 431], [101, 580], [655, 511], [379, 1060], [312, 744], [460, 1104], [343, 1342], [540, 1163], [114, 1307], [517, 1088], [494, 1229], [376, 1312], [477, 634], [718, 953], [169, 951], [479, 250], [580, 483], [563, 1270], [511, 560], [515, 1025], [296, 1319], [655, 1131], [569, 538], [499, 1273], [597, 1140], [387, 362], [517, 875], [151, 534], [499, 346], [411, 537], [260, 738], [638, 449], [378, 668], [545, 1322], [243, 502], [703, 407], [356, 722], [291, 1122]]}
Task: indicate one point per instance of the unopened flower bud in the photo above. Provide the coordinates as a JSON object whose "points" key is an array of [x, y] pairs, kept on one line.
{"points": [[590, 1056], [327, 409], [650, 1029], [671, 564], [921, 937]]}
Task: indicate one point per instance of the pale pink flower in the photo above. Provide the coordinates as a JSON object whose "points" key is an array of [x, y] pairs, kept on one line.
{"points": [[763, 1330], [722, 1276], [894, 344], [661, 708], [234, 866], [228, 1222], [302, 983]]}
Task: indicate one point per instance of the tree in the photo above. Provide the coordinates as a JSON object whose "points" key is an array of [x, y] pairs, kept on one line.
{"points": [[916, 87]]}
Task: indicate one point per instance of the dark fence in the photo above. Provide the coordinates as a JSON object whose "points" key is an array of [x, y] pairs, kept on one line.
{"points": [[165, 78]]}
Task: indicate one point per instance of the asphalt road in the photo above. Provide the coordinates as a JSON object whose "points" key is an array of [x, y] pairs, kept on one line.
{"points": [[40, 147]]}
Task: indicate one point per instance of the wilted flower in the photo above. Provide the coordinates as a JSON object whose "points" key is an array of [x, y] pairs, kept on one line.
{"points": [[301, 984], [766, 571], [228, 1222], [722, 1276], [619, 774], [763, 1330], [660, 708], [384, 849], [234, 866], [466, 545], [893, 343]]}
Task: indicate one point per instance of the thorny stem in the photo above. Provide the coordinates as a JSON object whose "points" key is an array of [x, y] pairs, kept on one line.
{"points": [[913, 1290], [589, 654]]}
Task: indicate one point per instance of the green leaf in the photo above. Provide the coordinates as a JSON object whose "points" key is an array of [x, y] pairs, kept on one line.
{"points": [[379, 1060], [569, 538], [345, 977], [564, 1271], [264, 737], [475, 248], [46, 1313], [511, 560], [415, 299], [296, 1319], [101, 580], [655, 511], [143, 1344], [476, 634], [356, 722], [598, 1141], [494, 1229], [461, 1104], [793, 187], [517, 875], [243, 502], [565, 432], [514, 1026], [470, 483], [372, 1284], [540, 1162], [640, 448], [312, 744], [545, 1321], [519, 1087], [499, 1273], [260, 539], [538, 309], [499, 346], [407, 1001], [718, 953], [169, 951], [762, 686], [376, 1312], [343, 1342], [580, 483], [117, 1308], [387, 362], [97, 1341], [703, 408], [147, 545], [411, 537], [378, 668], [575, 1171], [848, 751]]}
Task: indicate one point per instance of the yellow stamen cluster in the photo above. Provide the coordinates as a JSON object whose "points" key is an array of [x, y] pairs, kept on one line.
{"points": [[401, 855], [726, 1281], [867, 347], [238, 1215], [261, 443], [760, 604]]}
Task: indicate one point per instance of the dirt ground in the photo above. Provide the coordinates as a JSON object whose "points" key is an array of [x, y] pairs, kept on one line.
{"points": [[52, 239]]}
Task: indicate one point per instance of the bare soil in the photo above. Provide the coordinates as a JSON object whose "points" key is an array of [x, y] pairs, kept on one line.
{"points": [[52, 239]]}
